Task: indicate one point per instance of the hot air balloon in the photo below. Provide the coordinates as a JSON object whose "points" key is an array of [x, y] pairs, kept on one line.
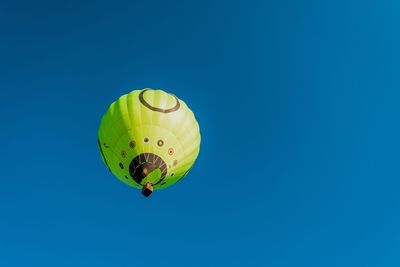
{"points": [[149, 139]]}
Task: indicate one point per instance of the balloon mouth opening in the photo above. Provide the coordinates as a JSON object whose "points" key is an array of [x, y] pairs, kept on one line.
{"points": [[148, 168]]}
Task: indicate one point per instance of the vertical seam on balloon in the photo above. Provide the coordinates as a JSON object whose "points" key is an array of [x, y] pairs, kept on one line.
{"points": [[140, 142], [129, 113]]}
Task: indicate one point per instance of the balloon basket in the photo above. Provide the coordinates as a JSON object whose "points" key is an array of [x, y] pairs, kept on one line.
{"points": [[147, 189]]}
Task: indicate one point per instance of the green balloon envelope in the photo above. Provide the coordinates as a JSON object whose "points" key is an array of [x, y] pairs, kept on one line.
{"points": [[149, 136]]}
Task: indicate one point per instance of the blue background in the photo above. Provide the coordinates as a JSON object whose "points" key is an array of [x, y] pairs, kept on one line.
{"points": [[298, 103]]}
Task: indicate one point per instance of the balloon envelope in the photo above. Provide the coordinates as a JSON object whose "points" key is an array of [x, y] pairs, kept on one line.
{"points": [[149, 136]]}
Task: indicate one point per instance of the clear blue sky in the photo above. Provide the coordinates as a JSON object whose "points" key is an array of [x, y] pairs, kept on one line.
{"points": [[299, 108]]}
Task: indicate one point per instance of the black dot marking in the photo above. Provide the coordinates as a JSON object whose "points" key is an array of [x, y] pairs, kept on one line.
{"points": [[160, 142], [126, 177], [123, 153], [172, 174], [102, 154], [146, 140], [132, 144], [163, 183], [121, 165]]}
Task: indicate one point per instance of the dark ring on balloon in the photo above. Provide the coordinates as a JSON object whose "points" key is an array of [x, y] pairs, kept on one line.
{"points": [[169, 110]]}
